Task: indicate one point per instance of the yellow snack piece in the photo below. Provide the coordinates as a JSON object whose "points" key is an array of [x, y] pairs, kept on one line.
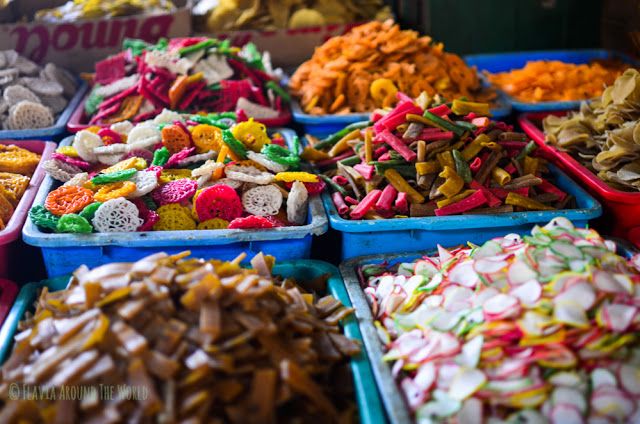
{"points": [[253, 134], [169, 175], [135, 162], [114, 190], [174, 217], [289, 177], [213, 224], [67, 151]]}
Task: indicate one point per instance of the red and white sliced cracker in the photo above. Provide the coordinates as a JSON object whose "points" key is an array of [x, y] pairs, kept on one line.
{"points": [[59, 170], [78, 180]]}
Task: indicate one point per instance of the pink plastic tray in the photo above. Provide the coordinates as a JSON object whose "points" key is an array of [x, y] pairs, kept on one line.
{"points": [[11, 233], [79, 121]]}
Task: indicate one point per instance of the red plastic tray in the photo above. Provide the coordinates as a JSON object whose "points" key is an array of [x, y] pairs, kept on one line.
{"points": [[79, 121], [11, 233], [621, 209], [8, 294]]}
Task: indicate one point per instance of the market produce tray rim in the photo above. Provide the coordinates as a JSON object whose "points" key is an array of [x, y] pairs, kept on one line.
{"points": [[317, 224], [588, 208], [577, 56], [367, 396], [60, 125]]}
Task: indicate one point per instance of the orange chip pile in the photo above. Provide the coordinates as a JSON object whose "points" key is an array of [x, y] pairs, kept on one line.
{"points": [[338, 78], [16, 167], [544, 81]]}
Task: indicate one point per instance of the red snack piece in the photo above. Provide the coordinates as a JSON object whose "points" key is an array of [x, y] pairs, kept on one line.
{"points": [[312, 188], [109, 136], [155, 168], [174, 192], [250, 222], [218, 201], [176, 158], [110, 69], [149, 217], [72, 161]]}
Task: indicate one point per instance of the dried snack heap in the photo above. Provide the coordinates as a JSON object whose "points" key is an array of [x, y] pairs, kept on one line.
{"points": [[547, 81], [540, 329], [187, 75], [363, 69], [275, 14], [176, 172], [427, 158], [32, 96], [16, 167], [605, 134], [196, 341]]}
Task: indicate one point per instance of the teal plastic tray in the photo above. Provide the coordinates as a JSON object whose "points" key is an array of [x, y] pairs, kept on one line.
{"points": [[367, 397]]}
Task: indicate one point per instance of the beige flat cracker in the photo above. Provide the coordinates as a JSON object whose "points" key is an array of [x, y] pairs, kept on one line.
{"points": [[29, 115]]}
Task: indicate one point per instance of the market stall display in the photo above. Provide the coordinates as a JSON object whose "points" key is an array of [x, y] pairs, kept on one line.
{"points": [[428, 158], [176, 173], [226, 15], [32, 96], [365, 68], [91, 9], [539, 81], [553, 80], [188, 75], [602, 136], [188, 333], [539, 328]]}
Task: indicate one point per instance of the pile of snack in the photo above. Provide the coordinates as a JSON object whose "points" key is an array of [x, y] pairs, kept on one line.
{"points": [[17, 165], [193, 339], [176, 172], [32, 96], [426, 158], [553, 80], [365, 68], [535, 329], [74, 10], [229, 15], [188, 75], [605, 133]]}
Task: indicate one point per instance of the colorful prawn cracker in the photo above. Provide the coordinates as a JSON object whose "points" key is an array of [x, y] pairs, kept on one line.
{"points": [[68, 199], [363, 69], [116, 216], [213, 224], [220, 201], [251, 222], [115, 190], [174, 217], [73, 223], [175, 192]]}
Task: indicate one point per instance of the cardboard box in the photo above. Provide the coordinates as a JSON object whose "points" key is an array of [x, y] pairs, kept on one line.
{"points": [[288, 47], [78, 45]]}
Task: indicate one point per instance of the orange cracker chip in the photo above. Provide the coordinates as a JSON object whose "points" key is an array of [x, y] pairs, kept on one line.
{"points": [[6, 209], [14, 183], [18, 160]]}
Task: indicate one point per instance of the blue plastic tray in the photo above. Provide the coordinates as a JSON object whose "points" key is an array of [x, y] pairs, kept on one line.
{"points": [[503, 62], [367, 237], [58, 129], [63, 253], [392, 398], [322, 126], [369, 404]]}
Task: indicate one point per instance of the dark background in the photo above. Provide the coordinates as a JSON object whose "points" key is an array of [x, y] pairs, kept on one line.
{"points": [[481, 26]]}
